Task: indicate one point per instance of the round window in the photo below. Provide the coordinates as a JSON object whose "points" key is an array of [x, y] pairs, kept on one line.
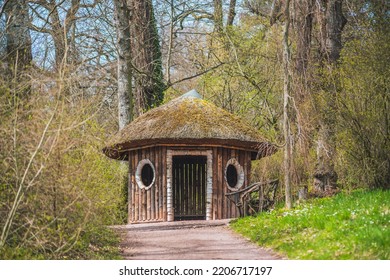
{"points": [[234, 175], [231, 175], [145, 174]]}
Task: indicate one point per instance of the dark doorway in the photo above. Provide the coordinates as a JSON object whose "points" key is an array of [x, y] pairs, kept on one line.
{"points": [[189, 187]]}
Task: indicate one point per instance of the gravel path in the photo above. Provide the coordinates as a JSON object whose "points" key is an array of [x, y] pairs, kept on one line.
{"points": [[188, 240]]}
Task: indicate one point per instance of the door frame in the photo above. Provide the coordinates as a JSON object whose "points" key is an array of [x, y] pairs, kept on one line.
{"points": [[209, 179]]}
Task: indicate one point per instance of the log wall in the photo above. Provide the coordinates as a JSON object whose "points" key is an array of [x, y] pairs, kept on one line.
{"points": [[148, 205]]}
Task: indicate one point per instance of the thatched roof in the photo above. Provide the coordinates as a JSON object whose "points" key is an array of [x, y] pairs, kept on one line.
{"points": [[188, 120]]}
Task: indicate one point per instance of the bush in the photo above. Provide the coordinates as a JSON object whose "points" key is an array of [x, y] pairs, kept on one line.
{"points": [[58, 190]]}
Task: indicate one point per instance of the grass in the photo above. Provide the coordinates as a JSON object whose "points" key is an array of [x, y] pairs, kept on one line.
{"points": [[346, 226]]}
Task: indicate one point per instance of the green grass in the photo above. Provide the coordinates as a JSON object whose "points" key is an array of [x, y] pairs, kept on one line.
{"points": [[346, 226]]}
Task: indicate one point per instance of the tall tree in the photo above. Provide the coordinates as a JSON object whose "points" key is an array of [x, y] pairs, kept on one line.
{"points": [[332, 22], [286, 108], [125, 96], [304, 24], [19, 52], [232, 12], [218, 15], [146, 56]]}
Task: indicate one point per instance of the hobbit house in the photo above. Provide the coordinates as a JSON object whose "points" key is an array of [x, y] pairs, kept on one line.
{"points": [[183, 157]]}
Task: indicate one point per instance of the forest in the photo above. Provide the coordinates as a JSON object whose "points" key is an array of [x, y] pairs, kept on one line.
{"points": [[312, 76]]}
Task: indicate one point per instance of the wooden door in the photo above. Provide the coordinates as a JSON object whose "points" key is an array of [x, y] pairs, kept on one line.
{"points": [[189, 187]]}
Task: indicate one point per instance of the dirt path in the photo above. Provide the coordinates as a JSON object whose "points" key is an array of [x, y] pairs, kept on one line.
{"points": [[188, 240]]}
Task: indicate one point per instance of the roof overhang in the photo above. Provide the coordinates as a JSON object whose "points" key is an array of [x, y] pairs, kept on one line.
{"points": [[258, 150]]}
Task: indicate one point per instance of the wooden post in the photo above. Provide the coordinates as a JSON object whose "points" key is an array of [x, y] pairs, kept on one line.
{"points": [[170, 214], [164, 185], [136, 193], [152, 190], [130, 188], [261, 198]]}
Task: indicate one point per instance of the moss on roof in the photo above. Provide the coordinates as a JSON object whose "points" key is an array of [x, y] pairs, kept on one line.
{"points": [[185, 120]]}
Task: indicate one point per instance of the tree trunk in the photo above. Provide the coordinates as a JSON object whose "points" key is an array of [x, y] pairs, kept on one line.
{"points": [[286, 98], [19, 53], [335, 22], [332, 22], [125, 97], [61, 32], [218, 16], [232, 13], [146, 57], [304, 26]]}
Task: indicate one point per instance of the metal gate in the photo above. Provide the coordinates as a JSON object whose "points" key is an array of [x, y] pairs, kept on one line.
{"points": [[189, 187]]}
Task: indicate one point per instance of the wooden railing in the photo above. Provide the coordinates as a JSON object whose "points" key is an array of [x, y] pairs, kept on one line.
{"points": [[245, 198]]}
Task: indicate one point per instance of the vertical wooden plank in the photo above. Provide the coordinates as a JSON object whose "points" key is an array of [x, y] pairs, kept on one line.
{"points": [[136, 189], [157, 182], [176, 191], [186, 195], [193, 186], [199, 188], [163, 182], [204, 188], [215, 193], [143, 193], [219, 184], [245, 167], [242, 161], [236, 155], [188, 189], [191, 183], [178, 187], [215, 169], [209, 202], [224, 161], [147, 192], [139, 192], [199, 192], [248, 167], [133, 184], [131, 191], [217, 155], [162, 160], [184, 189], [130, 198], [153, 188], [176, 168], [232, 154], [168, 189]]}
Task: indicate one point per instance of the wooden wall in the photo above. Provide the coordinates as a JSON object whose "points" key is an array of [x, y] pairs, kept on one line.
{"points": [[222, 207], [148, 205], [151, 205]]}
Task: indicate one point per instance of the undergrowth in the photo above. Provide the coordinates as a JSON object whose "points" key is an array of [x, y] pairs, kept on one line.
{"points": [[97, 243]]}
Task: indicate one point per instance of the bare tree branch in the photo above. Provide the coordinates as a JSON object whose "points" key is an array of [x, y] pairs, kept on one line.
{"points": [[196, 75], [2, 9]]}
